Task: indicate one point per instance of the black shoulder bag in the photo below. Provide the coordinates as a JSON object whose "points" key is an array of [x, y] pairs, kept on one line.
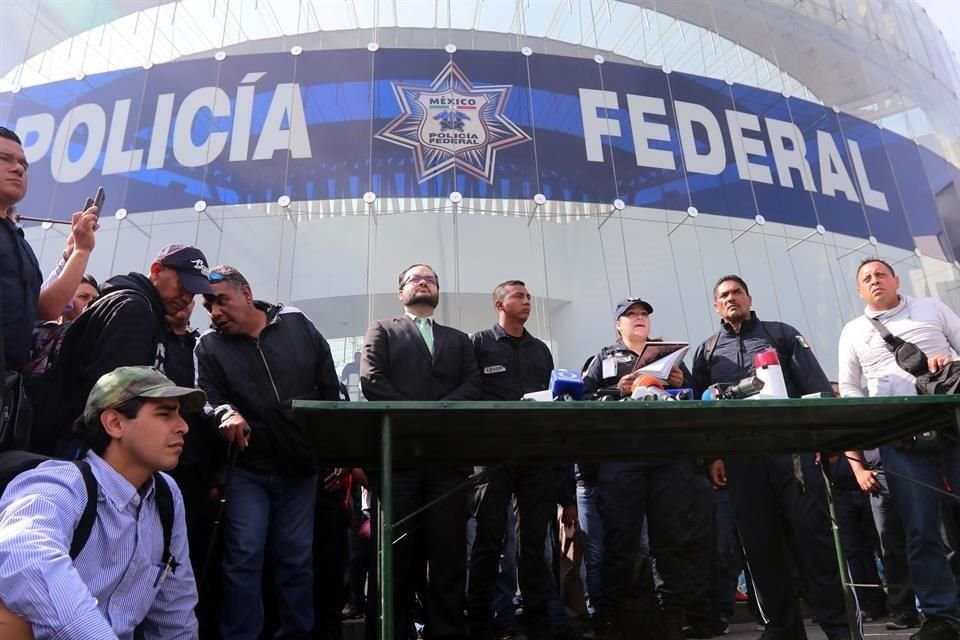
{"points": [[913, 360]]}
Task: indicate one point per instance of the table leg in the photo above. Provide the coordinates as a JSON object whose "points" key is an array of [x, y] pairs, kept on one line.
{"points": [[386, 531], [853, 619]]}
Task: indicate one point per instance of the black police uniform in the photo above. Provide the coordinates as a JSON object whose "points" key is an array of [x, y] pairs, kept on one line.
{"points": [[510, 367], [766, 490], [679, 516]]}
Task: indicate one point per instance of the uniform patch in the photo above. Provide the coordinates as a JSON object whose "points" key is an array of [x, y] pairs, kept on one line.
{"points": [[497, 368], [803, 342]]}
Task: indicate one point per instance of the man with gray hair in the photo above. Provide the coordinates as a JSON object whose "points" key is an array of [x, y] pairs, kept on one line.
{"points": [[257, 359]]}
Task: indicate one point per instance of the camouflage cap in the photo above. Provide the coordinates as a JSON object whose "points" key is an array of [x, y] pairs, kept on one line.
{"points": [[126, 383]]}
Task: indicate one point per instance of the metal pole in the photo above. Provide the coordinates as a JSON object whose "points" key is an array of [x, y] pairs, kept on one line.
{"points": [[849, 601], [386, 531]]}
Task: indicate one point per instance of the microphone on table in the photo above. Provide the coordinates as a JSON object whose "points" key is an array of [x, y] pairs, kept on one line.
{"points": [[749, 386], [564, 385], [649, 388]]}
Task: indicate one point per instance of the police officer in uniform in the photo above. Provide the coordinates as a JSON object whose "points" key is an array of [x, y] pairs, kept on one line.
{"points": [[665, 494], [769, 492], [512, 362]]}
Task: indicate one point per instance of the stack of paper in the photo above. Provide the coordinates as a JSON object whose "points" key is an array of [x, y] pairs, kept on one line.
{"points": [[657, 359]]}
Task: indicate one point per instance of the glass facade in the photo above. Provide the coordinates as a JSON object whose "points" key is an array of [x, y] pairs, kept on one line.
{"points": [[626, 148]]}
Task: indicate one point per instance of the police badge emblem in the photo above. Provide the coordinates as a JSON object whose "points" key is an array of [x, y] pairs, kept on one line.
{"points": [[452, 123]]}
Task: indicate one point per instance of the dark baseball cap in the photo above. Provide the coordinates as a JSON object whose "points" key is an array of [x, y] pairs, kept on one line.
{"points": [[629, 302], [190, 264]]}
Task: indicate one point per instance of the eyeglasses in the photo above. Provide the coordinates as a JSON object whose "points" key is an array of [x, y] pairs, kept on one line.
{"points": [[215, 276], [418, 279]]}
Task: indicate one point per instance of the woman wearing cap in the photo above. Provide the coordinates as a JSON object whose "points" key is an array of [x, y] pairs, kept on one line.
{"points": [[663, 493]]}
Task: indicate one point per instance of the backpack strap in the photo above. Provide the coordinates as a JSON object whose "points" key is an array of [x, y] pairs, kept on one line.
{"points": [[709, 347], [892, 341], [82, 532], [164, 498], [775, 332]]}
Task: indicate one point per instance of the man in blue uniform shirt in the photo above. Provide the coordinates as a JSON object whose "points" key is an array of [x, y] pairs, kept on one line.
{"points": [[769, 492]]}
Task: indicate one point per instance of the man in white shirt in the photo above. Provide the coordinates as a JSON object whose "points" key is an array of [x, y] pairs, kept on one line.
{"points": [[934, 328]]}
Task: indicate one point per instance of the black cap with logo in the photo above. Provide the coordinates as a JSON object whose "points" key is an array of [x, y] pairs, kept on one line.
{"points": [[190, 264]]}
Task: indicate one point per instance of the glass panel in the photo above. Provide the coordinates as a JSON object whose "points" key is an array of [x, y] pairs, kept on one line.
{"points": [[404, 174], [784, 192], [559, 115], [914, 191], [836, 202], [647, 156], [500, 87], [875, 182]]}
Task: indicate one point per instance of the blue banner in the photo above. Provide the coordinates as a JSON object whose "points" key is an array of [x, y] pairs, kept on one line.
{"points": [[404, 123]]}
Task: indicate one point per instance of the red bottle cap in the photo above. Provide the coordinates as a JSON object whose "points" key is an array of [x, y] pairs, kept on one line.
{"points": [[765, 359]]}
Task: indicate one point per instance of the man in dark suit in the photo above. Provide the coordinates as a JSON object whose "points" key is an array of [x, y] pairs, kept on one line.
{"points": [[414, 358]]}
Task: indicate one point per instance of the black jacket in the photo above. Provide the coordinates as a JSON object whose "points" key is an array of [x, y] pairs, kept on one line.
{"points": [[259, 377], [125, 326], [511, 367], [397, 365], [625, 360], [20, 280], [732, 358]]}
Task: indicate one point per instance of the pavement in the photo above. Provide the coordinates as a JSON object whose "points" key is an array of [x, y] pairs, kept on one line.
{"points": [[871, 630], [353, 629]]}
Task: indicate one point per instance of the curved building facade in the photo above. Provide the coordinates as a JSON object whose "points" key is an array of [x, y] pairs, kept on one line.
{"points": [[594, 149]]}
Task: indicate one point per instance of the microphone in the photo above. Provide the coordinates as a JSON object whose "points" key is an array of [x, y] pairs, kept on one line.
{"points": [[685, 393], [749, 386], [649, 388], [566, 385]]}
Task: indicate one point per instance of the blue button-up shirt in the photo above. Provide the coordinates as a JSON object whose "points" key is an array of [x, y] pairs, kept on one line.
{"points": [[116, 582]]}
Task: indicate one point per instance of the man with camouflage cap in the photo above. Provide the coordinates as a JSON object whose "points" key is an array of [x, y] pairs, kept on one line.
{"points": [[133, 571]]}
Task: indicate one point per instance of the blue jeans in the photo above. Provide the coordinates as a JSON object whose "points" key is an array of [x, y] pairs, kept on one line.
{"points": [[920, 510], [893, 543], [264, 506], [592, 527]]}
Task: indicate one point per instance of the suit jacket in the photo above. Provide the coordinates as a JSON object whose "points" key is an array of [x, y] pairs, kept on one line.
{"points": [[397, 364]]}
